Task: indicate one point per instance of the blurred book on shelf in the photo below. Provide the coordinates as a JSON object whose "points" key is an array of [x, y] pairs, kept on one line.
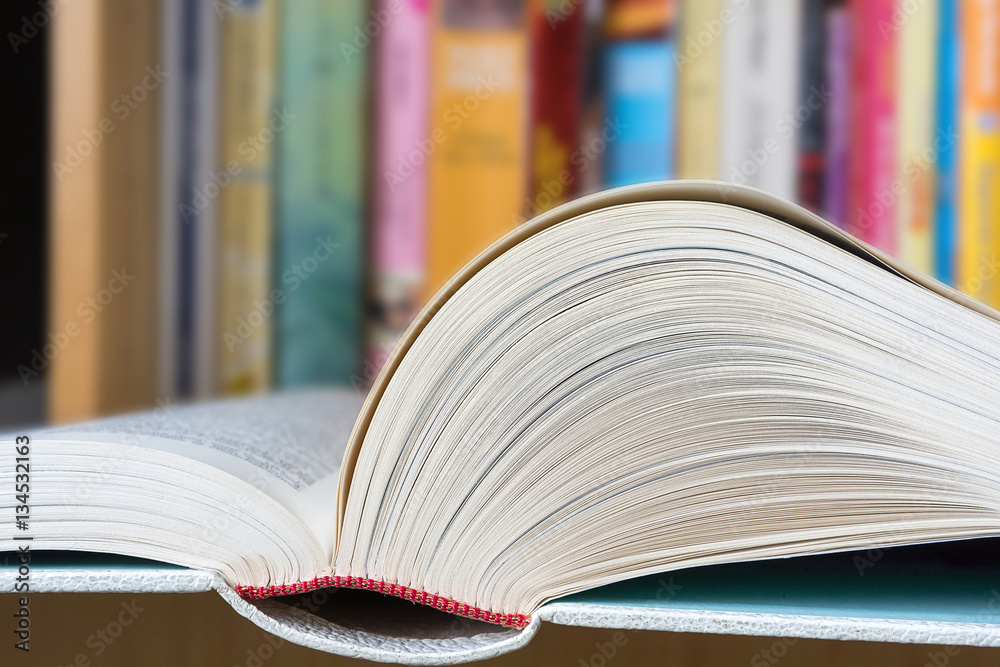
{"points": [[308, 173]]}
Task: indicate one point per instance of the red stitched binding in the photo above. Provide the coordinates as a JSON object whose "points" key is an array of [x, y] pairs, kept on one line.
{"points": [[413, 595]]}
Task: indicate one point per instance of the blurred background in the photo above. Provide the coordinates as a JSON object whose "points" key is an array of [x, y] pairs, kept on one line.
{"points": [[216, 197]]}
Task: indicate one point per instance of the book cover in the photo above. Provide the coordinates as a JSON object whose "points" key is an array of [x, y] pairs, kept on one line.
{"points": [[398, 230], [317, 294], [917, 151], [760, 89], [100, 353], [556, 98], [838, 113], [813, 105], [242, 181], [698, 61], [477, 139], [945, 232], [873, 190], [979, 215], [594, 128], [640, 91]]}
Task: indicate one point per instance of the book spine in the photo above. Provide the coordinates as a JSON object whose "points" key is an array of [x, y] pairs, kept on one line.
{"points": [[399, 182], [589, 156], [916, 155], [556, 79], [872, 215], [404, 592], [699, 63], [837, 141], [979, 214], [813, 105], [242, 178], [760, 118], [946, 142], [319, 252], [640, 95], [478, 135]]}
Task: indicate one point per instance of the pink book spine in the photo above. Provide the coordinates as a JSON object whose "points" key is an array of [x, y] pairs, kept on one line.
{"points": [[402, 64], [402, 141], [873, 186]]}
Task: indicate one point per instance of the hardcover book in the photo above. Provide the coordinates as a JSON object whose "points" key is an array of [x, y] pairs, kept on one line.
{"points": [[979, 154], [918, 143], [698, 58], [871, 194], [652, 378], [398, 232], [242, 180], [320, 160], [760, 87], [838, 115], [640, 78], [946, 121], [477, 140]]}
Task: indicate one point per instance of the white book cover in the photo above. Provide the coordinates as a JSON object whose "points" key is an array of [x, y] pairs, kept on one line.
{"points": [[760, 76]]}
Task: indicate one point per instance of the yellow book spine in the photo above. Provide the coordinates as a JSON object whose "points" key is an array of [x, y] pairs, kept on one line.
{"points": [[699, 61], [979, 203], [916, 152], [244, 196], [477, 139]]}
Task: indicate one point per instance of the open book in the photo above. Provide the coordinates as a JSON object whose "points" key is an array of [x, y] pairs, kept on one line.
{"points": [[648, 379]]}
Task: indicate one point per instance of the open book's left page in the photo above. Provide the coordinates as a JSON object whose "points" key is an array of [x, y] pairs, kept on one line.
{"points": [[289, 445]]}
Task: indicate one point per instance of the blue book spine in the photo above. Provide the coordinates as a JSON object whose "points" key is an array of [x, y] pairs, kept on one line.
{"points": [[640, 100], [946, 196]]}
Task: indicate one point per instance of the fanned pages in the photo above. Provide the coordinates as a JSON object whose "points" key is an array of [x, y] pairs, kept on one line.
{"points": [[649, 379]]}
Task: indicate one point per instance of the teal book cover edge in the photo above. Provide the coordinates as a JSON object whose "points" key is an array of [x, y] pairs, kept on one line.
{"points": [[320, 193], [957, 582]]}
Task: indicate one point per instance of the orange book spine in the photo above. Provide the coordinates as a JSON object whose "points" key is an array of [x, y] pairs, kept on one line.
{"points": [[477, 139]]}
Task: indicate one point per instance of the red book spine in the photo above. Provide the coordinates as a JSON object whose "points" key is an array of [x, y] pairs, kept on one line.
{"points": [[556, 85]]}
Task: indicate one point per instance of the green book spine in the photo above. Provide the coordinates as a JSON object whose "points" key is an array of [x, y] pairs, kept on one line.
{"points": [[319, 233]]}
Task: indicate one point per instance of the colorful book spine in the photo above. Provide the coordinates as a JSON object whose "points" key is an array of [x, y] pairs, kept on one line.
{"points": [[640, 94], [812, 105], [589, 156], [478, 136], [979, 207], [837, 133], [242, 179], [556, 80], [760, 93], [945, 231], [873, 186], [916, 152], [317, 298], [698, 59], [399, 182]]}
